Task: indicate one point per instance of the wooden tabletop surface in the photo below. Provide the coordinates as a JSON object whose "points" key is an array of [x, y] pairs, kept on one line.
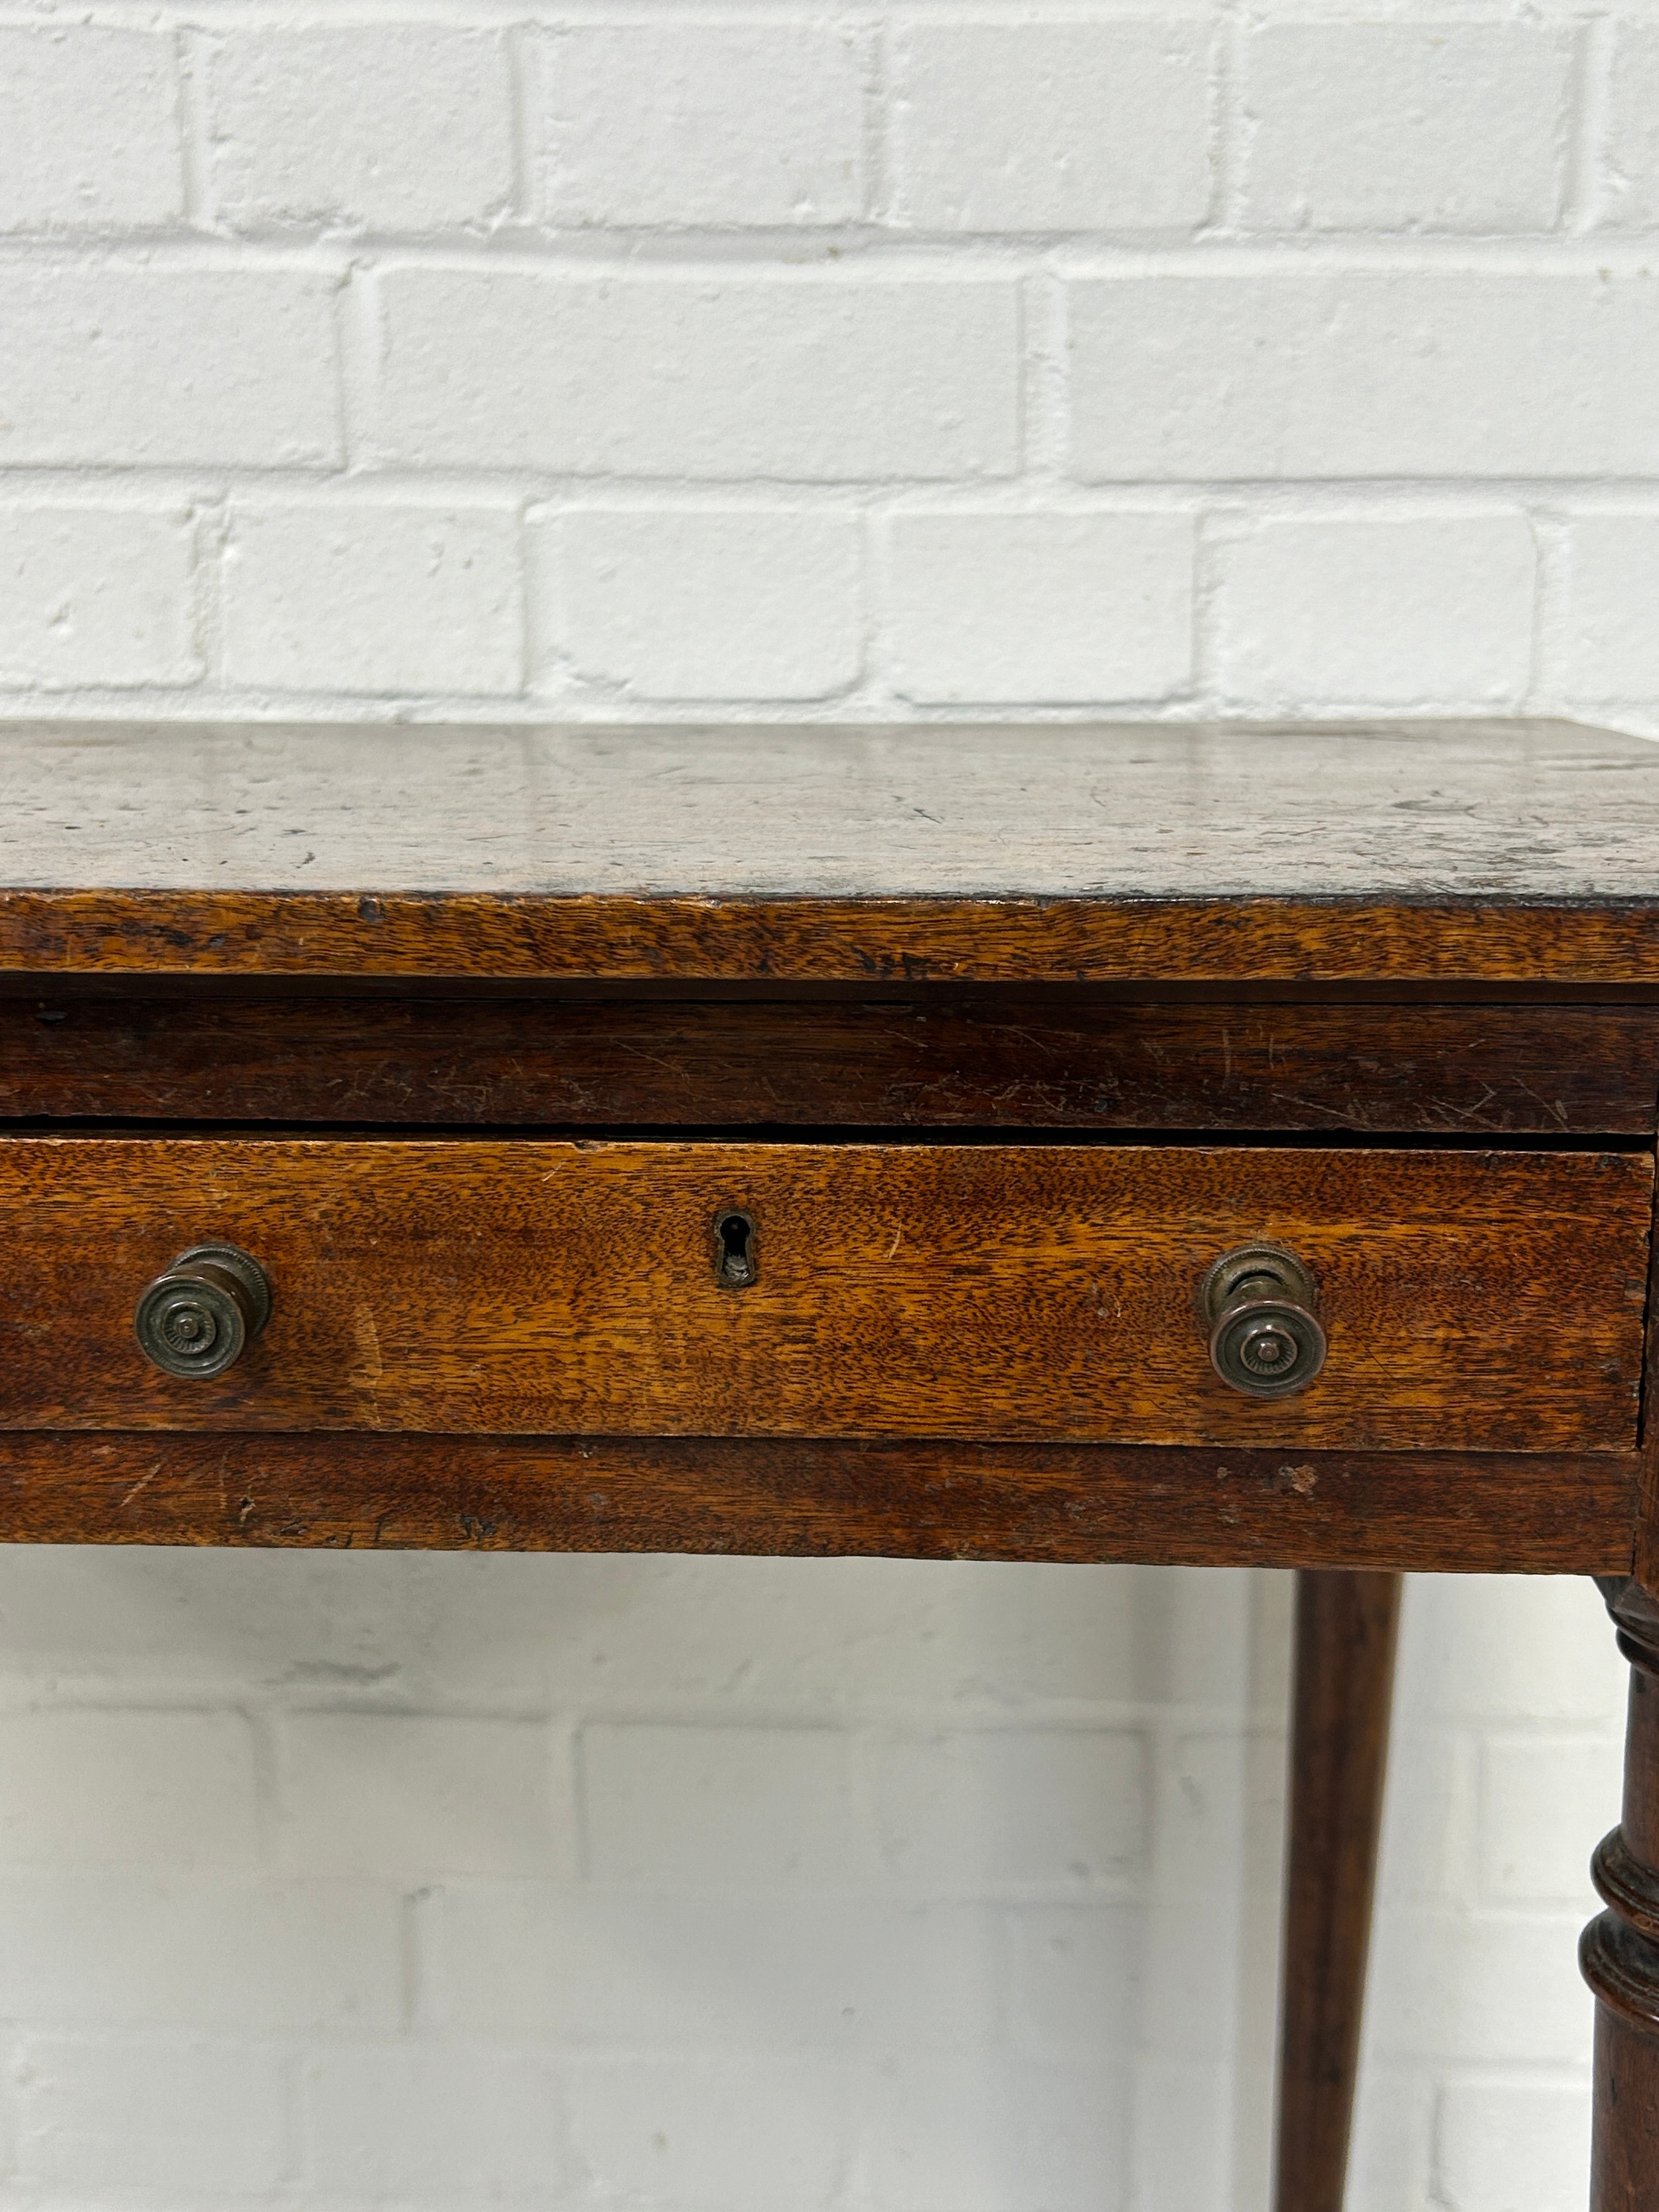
{"points": [[1522, 810], [1448, 848]]}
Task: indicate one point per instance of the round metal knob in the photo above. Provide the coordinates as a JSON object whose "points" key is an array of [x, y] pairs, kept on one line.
{"points": [[199, 1317], [1265, 1337]]}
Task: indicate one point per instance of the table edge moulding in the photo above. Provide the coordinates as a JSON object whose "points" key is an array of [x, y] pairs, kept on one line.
{"points": [[1228, 1144]]}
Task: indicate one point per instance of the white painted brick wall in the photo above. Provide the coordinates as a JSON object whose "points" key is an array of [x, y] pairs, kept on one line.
{"points": [[95, 591], [1605, 642], [356, 130], [89, 134], [1019, 608], [1051, 126], [1297, 601], [1632, 186], [329, 1881], [1411, 126], [1241, 367], [326, 1881], [339, 595], [677, 603], [110, 364], [814, 375], [639, 357], [98, 2118], [625, 119]]}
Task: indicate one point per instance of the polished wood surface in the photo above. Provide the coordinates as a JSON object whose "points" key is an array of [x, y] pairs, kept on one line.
{"points": [[1346, 1628], [1525, 809], [1624, 2128], [1440, 851], [1311, 940], [1620, 1952], [1031, 1058], [1037, 1290], [1441, 1512], [909, 940]]}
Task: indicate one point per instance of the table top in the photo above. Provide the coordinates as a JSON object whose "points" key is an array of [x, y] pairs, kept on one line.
{"points": [[1433, 850], [327, 876]]}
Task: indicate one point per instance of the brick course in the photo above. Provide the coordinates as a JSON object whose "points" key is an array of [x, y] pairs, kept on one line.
{"points": [[626, 360]]}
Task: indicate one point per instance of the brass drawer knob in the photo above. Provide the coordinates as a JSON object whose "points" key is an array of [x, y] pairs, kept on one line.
{"points": [[199, 1317], [1261, 1306]]}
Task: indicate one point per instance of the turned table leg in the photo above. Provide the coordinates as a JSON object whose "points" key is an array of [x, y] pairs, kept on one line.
{"points": [[1345, 1627], [1620, 1952]]}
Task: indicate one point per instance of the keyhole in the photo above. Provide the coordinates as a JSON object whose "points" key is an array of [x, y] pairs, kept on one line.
{"points": [[734, 1249]]}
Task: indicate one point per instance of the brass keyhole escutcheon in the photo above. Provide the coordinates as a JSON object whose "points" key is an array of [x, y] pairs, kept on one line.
{"points": [[736, 1266], [199, 1317], [1261, 1306]]}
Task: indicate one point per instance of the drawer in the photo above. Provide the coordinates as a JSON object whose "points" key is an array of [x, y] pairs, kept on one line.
{"points": [[1488, 1300]]}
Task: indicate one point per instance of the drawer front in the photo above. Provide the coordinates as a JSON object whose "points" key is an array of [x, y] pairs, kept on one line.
{"points": [[1471, 1300]]}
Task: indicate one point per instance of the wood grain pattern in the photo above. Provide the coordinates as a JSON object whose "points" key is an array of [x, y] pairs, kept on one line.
{"points": [[1620, 1952], [1346, 1626], [1473, 1300], [907, 940], [1432, 1512], [1034, 1058], [1625, 2129], [1518, 851], [1644, 1548]]}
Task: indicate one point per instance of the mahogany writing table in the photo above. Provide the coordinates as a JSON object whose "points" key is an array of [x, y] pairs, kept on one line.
{"points": [[1225, 1146]]}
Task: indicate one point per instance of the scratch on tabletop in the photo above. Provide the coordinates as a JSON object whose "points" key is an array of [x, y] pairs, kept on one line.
{"points": [[142, 1483]]}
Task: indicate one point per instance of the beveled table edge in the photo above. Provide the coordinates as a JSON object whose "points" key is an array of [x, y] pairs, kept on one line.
{"points": [[591, 938], [1435, 1512]]}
